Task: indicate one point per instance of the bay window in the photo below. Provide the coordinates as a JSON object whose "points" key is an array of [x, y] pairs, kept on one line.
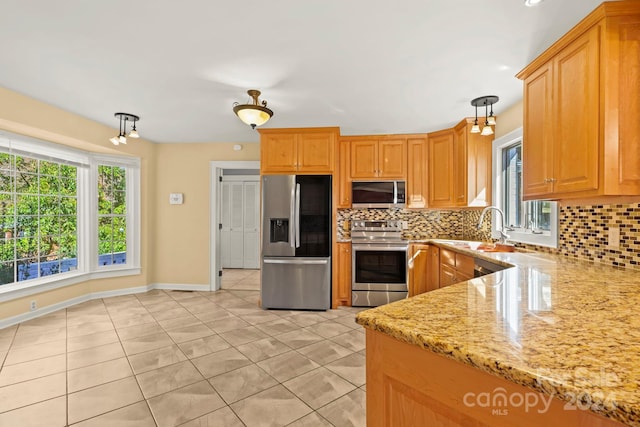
{"points": [[65, 213]]}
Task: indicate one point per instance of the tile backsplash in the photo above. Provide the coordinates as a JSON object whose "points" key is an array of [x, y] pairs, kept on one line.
{"points": [[583, 231], [583, 234]]}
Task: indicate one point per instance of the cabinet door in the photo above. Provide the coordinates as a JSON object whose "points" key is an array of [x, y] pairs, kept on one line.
{"points": [[392, 158], [364, 158], [441, 169], [447, 275], [418, 271], [460, 166], [537, 148], [278, 152], [344, 177], [479, 175], [316, 151], [433, 271], [417, 173], [464, 267], [576, 117], [343, 288]]}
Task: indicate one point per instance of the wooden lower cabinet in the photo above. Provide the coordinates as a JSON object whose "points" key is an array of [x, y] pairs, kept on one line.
{"points": [[342, 284], [408, 386], [454, 267]]}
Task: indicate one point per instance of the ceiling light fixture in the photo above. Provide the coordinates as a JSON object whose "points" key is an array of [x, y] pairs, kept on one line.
{"points": [[531, 3], [490, 119], [255, 114], [122, 129]]}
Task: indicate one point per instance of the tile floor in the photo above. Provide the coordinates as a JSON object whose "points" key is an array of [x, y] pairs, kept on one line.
{"points": [[168, 358]]}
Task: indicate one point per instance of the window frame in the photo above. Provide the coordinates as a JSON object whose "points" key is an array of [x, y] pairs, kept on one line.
{"points": [[521, 234], [87, 218]]}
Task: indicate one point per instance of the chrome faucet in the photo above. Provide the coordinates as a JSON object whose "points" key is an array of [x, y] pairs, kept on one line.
{"points": [[503, 236]]}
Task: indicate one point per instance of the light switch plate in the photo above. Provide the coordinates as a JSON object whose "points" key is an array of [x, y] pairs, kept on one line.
{"points": [[175, 198]]}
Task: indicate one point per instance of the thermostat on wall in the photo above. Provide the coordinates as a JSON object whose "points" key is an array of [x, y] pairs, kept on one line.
{"points": [[175, 198]]}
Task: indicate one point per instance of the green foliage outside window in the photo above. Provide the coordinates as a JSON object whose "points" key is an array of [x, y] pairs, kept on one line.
{"points": [[38, 218], [112, 210]]}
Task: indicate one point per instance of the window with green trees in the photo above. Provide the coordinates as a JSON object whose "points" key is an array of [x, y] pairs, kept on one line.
{"points": [[38, 218], [112, 215]]}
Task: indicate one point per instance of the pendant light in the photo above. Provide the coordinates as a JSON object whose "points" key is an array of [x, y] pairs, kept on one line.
{"points": [[121, 138], [255, 113], [490, 119], [475, 128]]}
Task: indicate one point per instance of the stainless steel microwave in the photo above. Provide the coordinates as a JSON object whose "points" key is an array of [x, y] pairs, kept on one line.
{"points": [[378, 194]]}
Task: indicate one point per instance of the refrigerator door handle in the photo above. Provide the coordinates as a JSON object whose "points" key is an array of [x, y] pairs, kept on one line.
{"points": [[297, 215], [295, 261], [292, 216]]}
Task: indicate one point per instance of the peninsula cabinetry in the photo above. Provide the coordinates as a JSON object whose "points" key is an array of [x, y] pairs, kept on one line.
{"points": [[454, 267], [378, 157], [299, 150], [581, 109], [419, 269]]}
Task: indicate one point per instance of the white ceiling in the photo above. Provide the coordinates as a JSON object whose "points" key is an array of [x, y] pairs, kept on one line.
{"points": [[368, 66]]}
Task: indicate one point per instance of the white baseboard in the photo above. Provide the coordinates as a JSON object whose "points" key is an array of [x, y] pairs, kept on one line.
{"points": [[9, 321]]}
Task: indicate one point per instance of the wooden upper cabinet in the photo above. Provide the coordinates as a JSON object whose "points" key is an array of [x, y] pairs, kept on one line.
{"points": [[344, 176], [303, 150], [441, 160], [378, 157], [537, 129], [392, 158], [580, 136], [459, 167], [417, 182], [364, 158]]}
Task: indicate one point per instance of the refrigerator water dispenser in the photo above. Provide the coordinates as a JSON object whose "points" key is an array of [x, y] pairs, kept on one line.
{"points": [[279, 230]]}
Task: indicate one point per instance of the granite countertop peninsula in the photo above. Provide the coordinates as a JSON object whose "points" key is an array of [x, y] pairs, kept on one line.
{"points": [[560, 326]]}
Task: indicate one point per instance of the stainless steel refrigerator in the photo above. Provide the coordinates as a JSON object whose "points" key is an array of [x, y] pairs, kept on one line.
{"points": [[296, 242]]}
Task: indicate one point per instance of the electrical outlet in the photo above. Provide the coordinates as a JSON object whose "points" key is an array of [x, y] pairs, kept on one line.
{"points": [[33, 305], [613, 239], [405, 225]]}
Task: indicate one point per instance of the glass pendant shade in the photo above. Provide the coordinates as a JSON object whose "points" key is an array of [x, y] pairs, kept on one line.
{"points": [[115, 140], [254, 114], [133, 134], [486, 130], [122, 139], [475, 128], [491, 120]]}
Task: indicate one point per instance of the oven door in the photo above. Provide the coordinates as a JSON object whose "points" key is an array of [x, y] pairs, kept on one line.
{"points": [[379, 267]]}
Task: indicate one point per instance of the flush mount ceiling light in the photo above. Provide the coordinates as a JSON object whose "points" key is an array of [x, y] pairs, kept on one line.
{"points": [[122, 135], [254, 114], [532, 3], [490, 119]]}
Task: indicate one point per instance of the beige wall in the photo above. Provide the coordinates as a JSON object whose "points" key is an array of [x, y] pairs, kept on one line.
{"points": [[509, 120], [181, 251]]}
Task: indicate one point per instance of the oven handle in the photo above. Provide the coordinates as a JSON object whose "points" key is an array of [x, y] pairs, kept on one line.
{"points": [[378, 247], [412, 259]]}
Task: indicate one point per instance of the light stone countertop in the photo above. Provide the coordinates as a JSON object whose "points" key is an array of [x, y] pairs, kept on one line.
{"points": [[563, 327]]}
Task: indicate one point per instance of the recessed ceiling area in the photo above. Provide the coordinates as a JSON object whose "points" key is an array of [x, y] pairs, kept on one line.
{"points": [[367, 66]]}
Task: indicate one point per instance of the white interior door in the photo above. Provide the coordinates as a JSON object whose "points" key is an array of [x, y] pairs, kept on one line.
{"points": [[236, 225], [251, 224], [225, 231]]}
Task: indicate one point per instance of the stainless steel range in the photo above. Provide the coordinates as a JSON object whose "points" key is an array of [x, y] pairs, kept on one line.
{"points": [[379, 265]]}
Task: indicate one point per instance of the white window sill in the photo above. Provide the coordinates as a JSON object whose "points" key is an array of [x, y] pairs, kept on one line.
{"points": [[544, 239], [37, 286]]}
